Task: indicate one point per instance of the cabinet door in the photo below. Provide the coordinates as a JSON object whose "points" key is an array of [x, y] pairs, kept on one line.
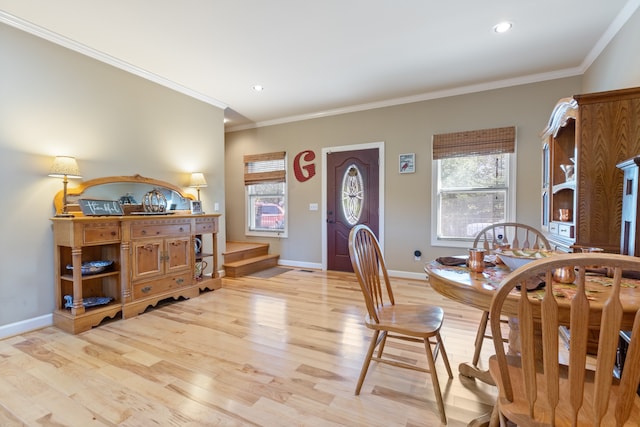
{"points": [[147, 259], [178, 253]]}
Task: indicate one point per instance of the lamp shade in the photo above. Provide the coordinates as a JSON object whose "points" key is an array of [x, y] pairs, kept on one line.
{"points": [[64, 166], [197, 180]]}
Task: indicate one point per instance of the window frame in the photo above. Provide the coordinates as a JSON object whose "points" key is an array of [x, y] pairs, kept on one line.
{"points": [[279, 176], [510, 201]]}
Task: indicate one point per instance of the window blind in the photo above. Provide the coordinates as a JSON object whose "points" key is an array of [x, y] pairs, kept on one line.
{"points": [[266, 167], [474, 143]]}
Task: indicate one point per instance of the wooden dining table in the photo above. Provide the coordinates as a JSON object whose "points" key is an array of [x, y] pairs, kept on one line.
{"points": [[459, 283]]}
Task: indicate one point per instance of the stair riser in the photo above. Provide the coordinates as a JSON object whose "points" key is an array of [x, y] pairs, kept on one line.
{"points": [[246, 254], [246, 269]]}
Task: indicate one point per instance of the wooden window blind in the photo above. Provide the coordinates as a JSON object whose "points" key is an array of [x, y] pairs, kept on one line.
{"points": [[474, 143], [267, 167]]}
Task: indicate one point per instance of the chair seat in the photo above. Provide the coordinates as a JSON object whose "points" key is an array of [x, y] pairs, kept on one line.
{"points": [[518, 410], [408, 319]]}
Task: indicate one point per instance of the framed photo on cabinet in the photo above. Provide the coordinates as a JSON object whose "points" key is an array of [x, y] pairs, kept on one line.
{"points": [[196, 207], [407, 163]]}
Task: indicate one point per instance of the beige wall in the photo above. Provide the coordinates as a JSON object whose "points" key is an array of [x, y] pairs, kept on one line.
{"points": [[57, 102], [618, 66], [403, 129]]}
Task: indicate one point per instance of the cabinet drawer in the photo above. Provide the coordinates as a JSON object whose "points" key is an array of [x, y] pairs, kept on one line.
{"points": [[156, 287], [101, 233], [206, 225], [565, 230], [553, 228], [155, 230]]}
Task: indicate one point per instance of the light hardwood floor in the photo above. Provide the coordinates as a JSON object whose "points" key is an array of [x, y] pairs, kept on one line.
{"points": [[282, 351]]}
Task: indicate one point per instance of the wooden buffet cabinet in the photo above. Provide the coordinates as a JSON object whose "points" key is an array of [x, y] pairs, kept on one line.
{"points": [[153, 258], [598, 131]]}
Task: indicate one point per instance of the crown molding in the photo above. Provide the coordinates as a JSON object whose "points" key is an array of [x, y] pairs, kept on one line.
{"points": [[463, 90]]}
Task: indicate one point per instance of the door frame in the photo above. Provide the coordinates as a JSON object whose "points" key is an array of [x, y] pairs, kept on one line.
{"points": [[381, 169]]}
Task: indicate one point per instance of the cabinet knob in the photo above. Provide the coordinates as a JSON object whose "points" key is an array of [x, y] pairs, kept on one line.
{"points": [[179, 281], [146, 289], [144, 231]]}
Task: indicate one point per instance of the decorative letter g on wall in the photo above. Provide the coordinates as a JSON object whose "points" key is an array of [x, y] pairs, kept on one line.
{"points": [[304, 173]]}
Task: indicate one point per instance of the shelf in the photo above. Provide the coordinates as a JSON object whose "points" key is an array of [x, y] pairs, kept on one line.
{"points": [[69, 277], [201, 255], [568, 185], [100, 307]]}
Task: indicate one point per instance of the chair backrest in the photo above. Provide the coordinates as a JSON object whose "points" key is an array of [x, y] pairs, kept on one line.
{"points": [[368, 264], [518, 236], [585, 310]]}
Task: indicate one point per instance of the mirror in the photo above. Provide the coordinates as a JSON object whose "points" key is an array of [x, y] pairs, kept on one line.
{"points": [[128, 190]]}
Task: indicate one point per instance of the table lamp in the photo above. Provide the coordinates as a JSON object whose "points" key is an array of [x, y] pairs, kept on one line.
{"points": [[64, 167], [198, 181]]}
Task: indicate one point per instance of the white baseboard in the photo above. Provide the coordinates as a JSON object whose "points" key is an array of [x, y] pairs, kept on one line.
{"points": [[407, 275], [298, 264], [26, 325]]}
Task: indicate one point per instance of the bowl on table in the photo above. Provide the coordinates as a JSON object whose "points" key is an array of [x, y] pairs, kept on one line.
{"points": [[514, 258]]}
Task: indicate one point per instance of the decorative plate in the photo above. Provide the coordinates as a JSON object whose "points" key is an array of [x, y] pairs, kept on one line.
{"points": [[92, 267], [87, 302]]}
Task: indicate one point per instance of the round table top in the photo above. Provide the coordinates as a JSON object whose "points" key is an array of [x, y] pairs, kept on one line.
{"points": [[460, 284]]}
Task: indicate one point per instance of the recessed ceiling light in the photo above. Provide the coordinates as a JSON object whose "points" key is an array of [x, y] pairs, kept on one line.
{"points": [[502, 27], [257, 88]]}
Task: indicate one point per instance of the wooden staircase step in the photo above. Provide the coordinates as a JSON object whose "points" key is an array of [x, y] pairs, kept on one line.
{"points": [[250, 265], [243, 258]]}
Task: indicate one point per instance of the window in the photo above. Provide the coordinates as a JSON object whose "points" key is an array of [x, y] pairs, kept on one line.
{"points": [[473, 184], [265, 181], [352, 194]]}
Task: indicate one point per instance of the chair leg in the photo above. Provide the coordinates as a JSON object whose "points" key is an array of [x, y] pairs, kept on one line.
{"points": [[367, 361], [482, 329], [382, 343], [496, 418], [434, 380], [445, 358]]}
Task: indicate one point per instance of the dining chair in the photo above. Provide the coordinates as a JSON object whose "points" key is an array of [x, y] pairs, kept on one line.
{"points": [[516, 236], [409, 322], [535, 387]]}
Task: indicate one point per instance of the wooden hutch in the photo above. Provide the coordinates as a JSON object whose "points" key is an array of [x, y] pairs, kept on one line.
{"points": [[591, 134], [152, 256]]}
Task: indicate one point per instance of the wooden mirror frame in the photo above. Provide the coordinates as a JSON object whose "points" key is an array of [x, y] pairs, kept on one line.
{"points": [[76, 192]]}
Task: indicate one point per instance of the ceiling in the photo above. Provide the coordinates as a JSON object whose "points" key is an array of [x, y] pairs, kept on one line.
{"points": [[317, 58]]}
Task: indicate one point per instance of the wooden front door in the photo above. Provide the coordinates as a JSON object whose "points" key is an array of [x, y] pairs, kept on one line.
{"points": [[352, 198]]}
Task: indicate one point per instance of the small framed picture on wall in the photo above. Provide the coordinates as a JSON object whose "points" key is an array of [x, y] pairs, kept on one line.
{"points": [[196, 207], [407, 163]]}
